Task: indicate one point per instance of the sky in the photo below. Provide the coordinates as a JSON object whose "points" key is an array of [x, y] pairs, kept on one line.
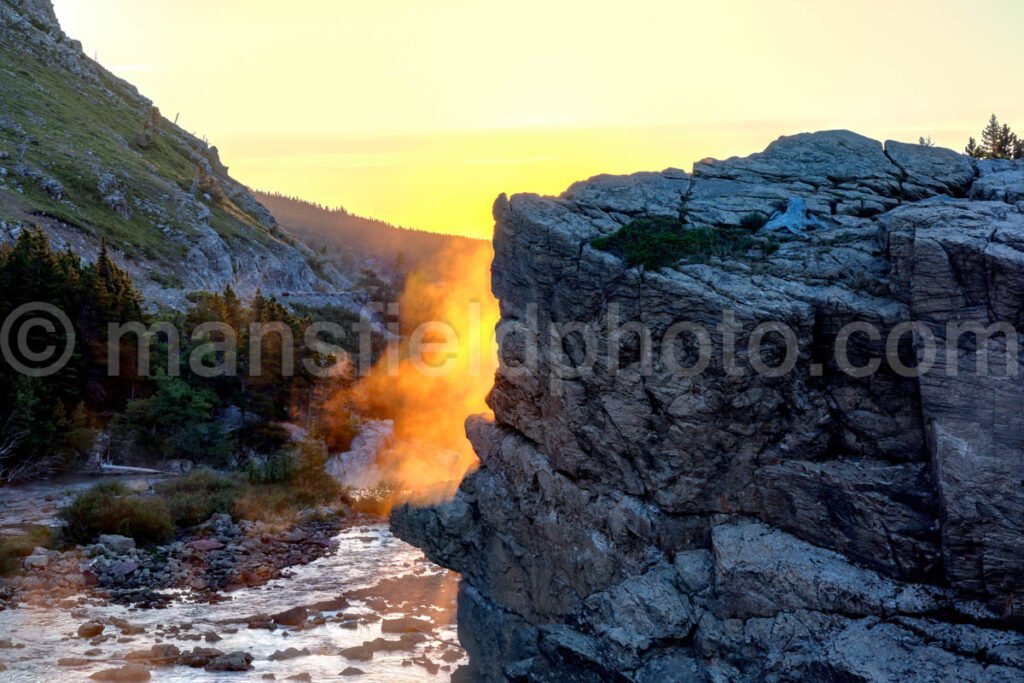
{"points": [[420, 112]]}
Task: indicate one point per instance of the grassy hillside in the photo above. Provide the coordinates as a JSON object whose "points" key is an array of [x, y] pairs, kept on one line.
{"points": [[77, 125], [86, 157]]}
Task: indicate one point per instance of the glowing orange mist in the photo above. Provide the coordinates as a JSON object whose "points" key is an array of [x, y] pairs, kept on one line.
{"points": [[439, 374]]}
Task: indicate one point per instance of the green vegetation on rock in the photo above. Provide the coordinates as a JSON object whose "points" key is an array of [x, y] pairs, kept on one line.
{"points": [[659, 242]]}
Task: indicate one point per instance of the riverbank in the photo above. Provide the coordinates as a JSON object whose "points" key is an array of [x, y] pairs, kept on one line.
{"points": [[310, 596]]}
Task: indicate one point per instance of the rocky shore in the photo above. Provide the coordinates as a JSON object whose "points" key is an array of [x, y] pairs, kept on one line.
{"points": [[628, 523], [217, 556], [366, 605]]}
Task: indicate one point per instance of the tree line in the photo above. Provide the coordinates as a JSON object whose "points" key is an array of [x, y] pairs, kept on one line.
{"points": [[998, 141], [48, 423]]}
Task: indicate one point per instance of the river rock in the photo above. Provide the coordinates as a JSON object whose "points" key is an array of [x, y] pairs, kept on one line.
{"points": [[406, 625], [290, 653], [205, 545], [73, 661], [362, 653], [125, 674], [199, 657], [294, 617], [161, 654], [234, 661], [630, 522], [90, 629]]}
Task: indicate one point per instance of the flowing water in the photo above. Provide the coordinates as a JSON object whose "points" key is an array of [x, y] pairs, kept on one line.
{"points": [[388, 578]]}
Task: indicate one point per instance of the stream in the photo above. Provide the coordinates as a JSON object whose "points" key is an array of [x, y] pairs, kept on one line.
{"points": [[381, 576]]}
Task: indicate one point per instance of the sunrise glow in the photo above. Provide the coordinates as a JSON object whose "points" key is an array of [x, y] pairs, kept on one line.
{"points": [[421, 113]]}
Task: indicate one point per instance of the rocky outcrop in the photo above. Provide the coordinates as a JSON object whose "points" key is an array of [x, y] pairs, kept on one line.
{"points": [[89, 159], [779, 515]]}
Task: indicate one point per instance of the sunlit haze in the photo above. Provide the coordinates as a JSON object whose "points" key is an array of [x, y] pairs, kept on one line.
{"points": [[421, 113]]}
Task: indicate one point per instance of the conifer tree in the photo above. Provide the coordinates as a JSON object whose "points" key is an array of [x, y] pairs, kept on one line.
{"points": [[991, 139], [998, 141]]}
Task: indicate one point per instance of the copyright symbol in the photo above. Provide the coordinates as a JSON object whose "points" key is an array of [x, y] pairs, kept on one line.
{"points": [[30, 341]]}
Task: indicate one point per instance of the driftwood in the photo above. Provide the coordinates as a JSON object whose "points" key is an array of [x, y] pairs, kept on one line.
{"points": [[796, 219], [124, 469]]}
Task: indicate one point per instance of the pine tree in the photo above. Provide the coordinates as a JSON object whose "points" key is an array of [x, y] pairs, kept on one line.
{"points": [[974, 150], [1007, 142], [992, 139]]}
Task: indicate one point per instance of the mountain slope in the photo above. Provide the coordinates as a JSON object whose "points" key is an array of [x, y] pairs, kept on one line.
{"points": [[88, 158]]}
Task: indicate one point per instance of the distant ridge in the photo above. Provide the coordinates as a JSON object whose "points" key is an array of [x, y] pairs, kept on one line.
{"points": [[355, 241]]}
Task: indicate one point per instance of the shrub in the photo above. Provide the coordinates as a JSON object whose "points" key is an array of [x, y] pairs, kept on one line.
{"points": [[193, 499], [656, 243], [268, 437], [308, 486], [311, 475], [753, 221], [110, 508], [277, 469]]}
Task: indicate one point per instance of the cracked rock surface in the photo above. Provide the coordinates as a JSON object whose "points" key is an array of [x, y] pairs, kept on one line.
{"points": [[634, 524]]}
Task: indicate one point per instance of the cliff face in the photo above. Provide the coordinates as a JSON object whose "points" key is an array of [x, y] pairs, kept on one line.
{"points": [[89, 159], [638, 523]]}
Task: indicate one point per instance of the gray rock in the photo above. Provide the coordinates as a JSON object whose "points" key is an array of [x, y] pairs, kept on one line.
{"points": [[119, 545], [931, 170], [1000, 180], [36, 561]]}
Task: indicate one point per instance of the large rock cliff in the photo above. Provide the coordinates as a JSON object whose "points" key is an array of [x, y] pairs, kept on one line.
{"points": [[633, 522], [89, 159]]}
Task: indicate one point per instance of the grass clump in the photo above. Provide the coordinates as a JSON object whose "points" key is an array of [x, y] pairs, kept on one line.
{"points": [[753, 221], [660, 242], [111, 508], [193, 499], [14, 548]]}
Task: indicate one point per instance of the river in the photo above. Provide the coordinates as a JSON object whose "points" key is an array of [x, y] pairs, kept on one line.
{"points": [[382, 576]]}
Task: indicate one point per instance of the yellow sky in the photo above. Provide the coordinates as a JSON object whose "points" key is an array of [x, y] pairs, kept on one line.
{"points": [[421, 111]]}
